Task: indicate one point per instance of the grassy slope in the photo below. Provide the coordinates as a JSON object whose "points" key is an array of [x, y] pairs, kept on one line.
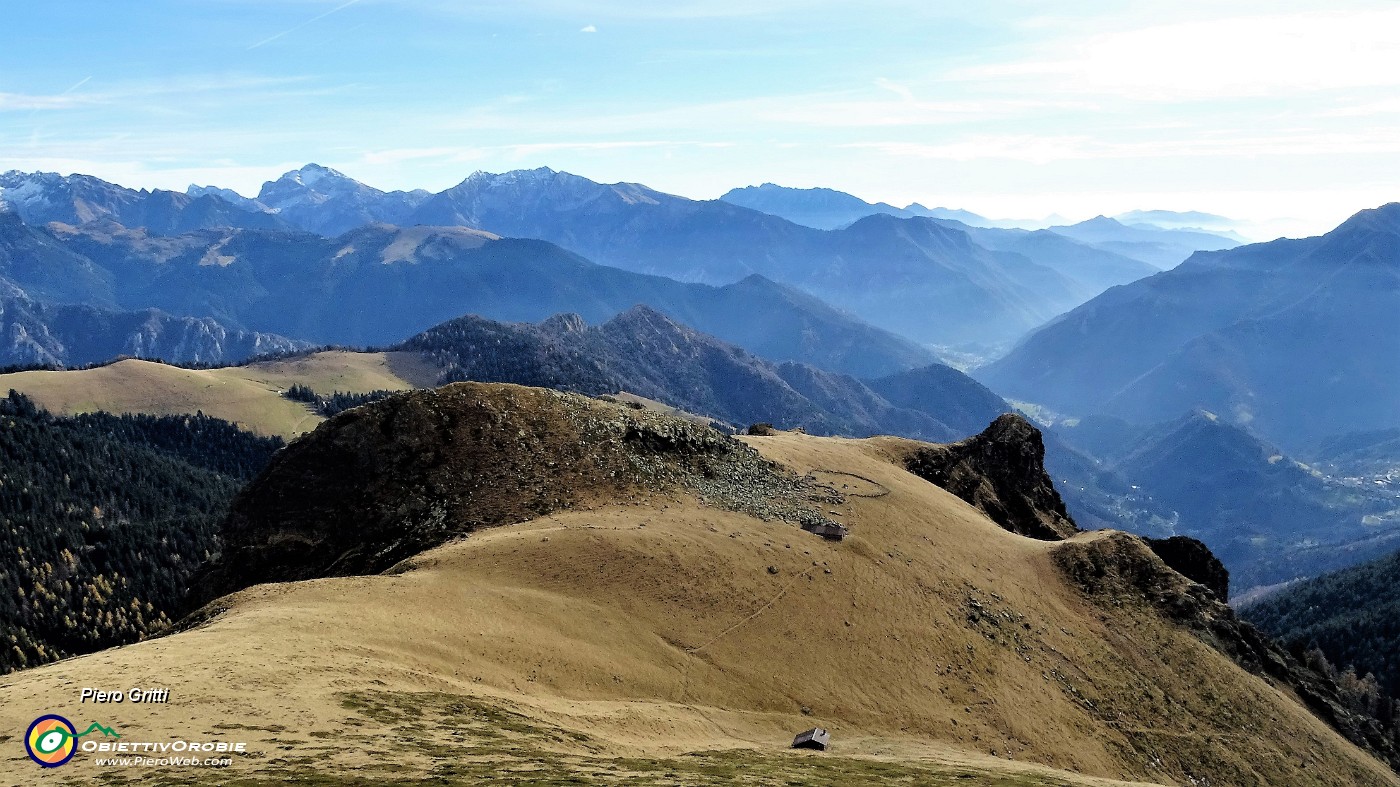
{"points": [[650, 640], [247, 395]]}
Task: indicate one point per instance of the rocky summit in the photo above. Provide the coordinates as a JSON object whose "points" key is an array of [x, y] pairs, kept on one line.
{"points": [[1002, 473], [422, 468]]}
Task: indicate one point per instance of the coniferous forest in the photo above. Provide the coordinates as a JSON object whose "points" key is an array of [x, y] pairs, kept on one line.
{"points": [[1350, 618], [104, 518]]}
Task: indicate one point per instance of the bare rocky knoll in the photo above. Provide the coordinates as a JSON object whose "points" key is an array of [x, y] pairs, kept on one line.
{"points": [[381, 483]]}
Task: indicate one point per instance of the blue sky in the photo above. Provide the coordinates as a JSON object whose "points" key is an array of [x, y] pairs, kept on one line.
{"points": [[1284, 113]]}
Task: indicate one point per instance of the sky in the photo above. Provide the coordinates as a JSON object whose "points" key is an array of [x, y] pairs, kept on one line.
{"points": [[1284, 115]]}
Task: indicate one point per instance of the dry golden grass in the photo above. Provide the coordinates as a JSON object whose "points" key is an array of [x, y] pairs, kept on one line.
{"points": [[247, 395], [653, 644], [662, 407]]}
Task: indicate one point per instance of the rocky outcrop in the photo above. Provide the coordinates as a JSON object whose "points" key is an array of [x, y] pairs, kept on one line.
{"points": [[1193, 560], [1002, 473], [1117, 570], [383, 482], [68, 335]]}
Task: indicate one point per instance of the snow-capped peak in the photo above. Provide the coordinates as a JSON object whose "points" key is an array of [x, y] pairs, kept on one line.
{"points": [[513, 177], [19, 189], [228, 195], [313, 182], [311, 174]]}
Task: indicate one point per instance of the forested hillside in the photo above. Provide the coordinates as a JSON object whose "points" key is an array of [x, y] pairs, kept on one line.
{"points": [[1352, 617], [102, 520]]}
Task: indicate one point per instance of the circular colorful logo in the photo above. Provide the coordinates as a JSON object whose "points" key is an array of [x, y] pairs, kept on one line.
{"points": [[51, 740]]}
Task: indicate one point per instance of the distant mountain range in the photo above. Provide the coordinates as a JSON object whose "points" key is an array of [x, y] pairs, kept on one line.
{"points": [[911, 276], [1182, 220], [42, 197], [925, 278], [828, 209], [381, 284], [1299, 339], [1158, 238], [1163, 248], [1096, 268]]}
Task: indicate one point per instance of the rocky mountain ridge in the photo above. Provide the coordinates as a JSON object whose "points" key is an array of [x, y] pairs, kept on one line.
{"points": [[1002, 472], [324, 201], [646, 353], [33, 334], [1118, 570], [43, 197]]}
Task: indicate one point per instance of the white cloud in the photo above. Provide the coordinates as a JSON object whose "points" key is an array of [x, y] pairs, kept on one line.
{"points": [[1388, 106], [588, 29], [395, 156], [1041, 149], [1271, 55]]}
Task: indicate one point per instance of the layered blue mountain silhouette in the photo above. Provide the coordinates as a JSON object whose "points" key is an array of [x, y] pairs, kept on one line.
{"points": [[1297, 339]]}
